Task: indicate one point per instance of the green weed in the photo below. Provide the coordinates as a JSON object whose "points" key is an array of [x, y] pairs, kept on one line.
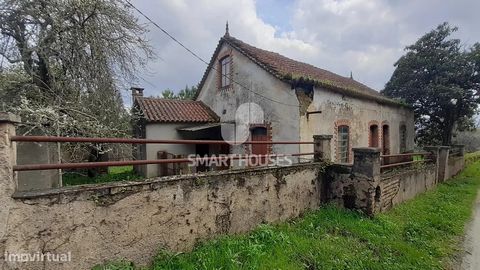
{"points": [[422, 233]]}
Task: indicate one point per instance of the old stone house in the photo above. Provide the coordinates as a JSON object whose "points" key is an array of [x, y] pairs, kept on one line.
{"points": [[297, 100]]}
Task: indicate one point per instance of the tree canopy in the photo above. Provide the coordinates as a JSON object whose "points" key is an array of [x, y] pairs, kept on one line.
{"points": [[65, 63], [440, 79], [185, 93]]}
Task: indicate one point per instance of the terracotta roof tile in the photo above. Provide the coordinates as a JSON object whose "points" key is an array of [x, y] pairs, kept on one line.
{"points": [[174, 110], [290, 70]]}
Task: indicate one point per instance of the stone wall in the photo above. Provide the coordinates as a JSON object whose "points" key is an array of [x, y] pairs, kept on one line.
{"points": [[37, 153], [455, 165], [365, 187], [132, 221], [404, 184]]}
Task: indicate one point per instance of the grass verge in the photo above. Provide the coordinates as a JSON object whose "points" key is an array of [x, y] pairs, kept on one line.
{"points": [[121, 173], [472, 157], [423, 233]]}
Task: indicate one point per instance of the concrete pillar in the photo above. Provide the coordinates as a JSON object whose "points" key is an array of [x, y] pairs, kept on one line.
{"points": [[322, 147], [436, 158], [8, 182], [443, 152], [366, 179], [366, 161]]}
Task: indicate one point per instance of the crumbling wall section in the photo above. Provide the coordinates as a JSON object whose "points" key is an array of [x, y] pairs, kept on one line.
{"points": [[132, 221]]}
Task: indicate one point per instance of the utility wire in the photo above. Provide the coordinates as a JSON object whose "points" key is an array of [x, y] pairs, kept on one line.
{"points": [[200, 58]]}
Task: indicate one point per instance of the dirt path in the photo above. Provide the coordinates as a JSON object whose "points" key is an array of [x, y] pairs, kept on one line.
{"points": [[471, 260]]}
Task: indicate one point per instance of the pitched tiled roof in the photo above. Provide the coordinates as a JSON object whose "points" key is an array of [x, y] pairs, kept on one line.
{"points": [[293, 72], [174, 110]]}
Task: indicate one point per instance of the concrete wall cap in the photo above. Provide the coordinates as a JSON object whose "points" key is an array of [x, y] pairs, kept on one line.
{"points": [[366, 150], [322, 137], [6, 117]]}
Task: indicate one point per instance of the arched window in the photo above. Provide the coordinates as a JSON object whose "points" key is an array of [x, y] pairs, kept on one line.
{"points": [[343, 144], [403, 138], [386, 139], [373, 136]]}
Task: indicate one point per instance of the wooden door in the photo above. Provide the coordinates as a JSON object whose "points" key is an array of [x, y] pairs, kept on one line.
{"points": [[259, 134]]}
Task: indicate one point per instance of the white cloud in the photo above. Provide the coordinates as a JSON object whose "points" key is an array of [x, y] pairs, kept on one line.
{"points": [[363, 36]]}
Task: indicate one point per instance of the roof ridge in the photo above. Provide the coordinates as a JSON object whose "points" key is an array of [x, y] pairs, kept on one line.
{"points": [[169, 99], [296, 72], [297, 61]]}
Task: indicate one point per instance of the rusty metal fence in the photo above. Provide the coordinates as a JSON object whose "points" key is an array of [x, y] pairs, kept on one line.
{"points": [[168, 160], [389, 162]]}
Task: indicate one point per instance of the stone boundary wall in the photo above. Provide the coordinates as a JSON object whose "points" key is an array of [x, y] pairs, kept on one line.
{"points": [[365, 187], [132, 221], [455, 165], [405, 184]]}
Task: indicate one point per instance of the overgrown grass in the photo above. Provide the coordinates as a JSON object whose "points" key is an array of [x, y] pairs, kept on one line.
{"points": [[423, 233], [472, 157], [121, 173]]}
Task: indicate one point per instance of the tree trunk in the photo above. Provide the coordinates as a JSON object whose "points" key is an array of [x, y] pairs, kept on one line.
{"points": [[96, 156]]}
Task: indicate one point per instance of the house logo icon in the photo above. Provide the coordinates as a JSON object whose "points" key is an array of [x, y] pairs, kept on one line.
{"points": [[246, 115]]}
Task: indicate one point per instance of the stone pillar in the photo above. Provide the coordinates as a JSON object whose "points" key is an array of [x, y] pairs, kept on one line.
{"points": [[436, 158], [8, 183], [443, 152], [322, 147], [366, 179]]}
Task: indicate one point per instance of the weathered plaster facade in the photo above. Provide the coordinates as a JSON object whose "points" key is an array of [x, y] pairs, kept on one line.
{"points": [[358, 115], [296, 101], [297, 122], [163, 131], [283, 119]]}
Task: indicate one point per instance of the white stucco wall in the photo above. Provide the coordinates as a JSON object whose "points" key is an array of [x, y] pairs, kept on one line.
{"points": [[358, 113], [284, 119], [164, 131]]}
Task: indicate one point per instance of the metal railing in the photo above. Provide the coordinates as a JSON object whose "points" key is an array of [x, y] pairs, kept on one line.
{"points": [[402, 160], [78, 165], [455, 151]]}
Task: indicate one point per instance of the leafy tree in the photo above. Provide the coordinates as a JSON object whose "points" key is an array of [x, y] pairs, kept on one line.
{"points": [[186, 93], [168, 94], [66, 61], [440, 80]]}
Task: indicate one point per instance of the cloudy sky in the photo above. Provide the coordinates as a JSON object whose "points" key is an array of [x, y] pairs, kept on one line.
{"points": [[365, 37]]}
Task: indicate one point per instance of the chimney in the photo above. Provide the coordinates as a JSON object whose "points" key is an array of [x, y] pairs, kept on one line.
{"points": [[137, 92]]}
